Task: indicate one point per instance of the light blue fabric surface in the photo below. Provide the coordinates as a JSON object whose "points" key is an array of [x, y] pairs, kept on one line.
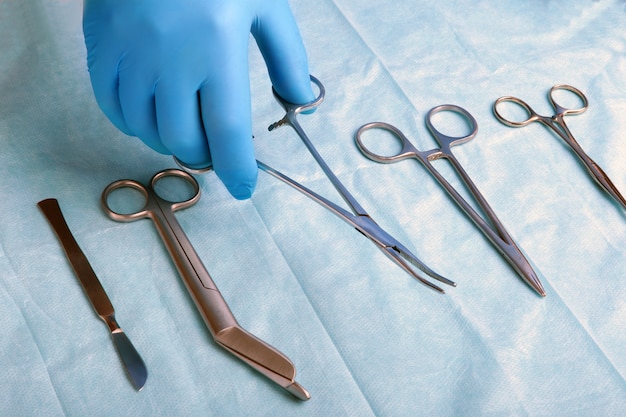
{"points": [[367, 340]]}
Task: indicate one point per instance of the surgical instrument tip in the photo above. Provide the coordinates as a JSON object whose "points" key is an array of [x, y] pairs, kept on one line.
{"points": [[605, 182], [524, 269], [263, 358], [443, 279], [536, 285], [398, 249], [532, 280], [298, 391]]}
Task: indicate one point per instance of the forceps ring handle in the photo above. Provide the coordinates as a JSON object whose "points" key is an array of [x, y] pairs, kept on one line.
{"points": [[299, 108], [292, 109], [190, 170], [406, 151], [444, 140], [531, 115], [560, 110]]}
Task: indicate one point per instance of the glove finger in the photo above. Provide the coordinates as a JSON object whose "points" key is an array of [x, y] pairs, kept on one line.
{"points": [[279, 40], [226, 115], [179, 124], [104, 81], [136, 92]]}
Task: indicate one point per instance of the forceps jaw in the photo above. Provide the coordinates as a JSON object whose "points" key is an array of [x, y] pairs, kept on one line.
{"points": [[398, 256], [398, 253]]}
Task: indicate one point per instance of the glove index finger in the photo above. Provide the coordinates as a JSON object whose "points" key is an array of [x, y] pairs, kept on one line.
{"points": [[104, 76], [227, 118], [280, 43]]}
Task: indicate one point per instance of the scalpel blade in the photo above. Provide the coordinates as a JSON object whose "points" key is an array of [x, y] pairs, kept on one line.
{"points": [[134, 365]]}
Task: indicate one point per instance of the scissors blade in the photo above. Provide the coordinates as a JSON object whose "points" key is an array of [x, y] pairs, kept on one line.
{"points": [[263, 358]]}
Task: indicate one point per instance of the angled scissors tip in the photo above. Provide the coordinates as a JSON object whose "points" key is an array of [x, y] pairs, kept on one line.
{"points": [[263, 358], [298, 391]]}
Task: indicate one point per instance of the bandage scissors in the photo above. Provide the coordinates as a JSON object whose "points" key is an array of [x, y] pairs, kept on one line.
{"points": [[497, 234], [359, 218], [557, 124], [209, 301]]}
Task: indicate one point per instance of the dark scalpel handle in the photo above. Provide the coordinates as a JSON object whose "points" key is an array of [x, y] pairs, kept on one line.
{"points": [[78, 260]]}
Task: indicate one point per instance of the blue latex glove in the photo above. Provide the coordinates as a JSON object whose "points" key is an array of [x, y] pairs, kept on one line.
{"points": [[175, 74]]}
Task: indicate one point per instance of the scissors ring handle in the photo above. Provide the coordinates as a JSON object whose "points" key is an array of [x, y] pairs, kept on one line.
{"points": [[302, 108], [445, 140], [190, 170], [124, 217], [405, 152], [564, 110], [531, 116], [177, 173]]}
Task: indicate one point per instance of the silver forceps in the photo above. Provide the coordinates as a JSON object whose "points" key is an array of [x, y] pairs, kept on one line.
{"points": [[208, 299], [497, 234], [557, 124], [359, 218]]}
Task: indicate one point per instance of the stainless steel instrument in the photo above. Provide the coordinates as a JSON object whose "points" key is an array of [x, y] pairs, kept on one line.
{"points": [[134, 365], [216, 314], [492, 228], [557, 124]]}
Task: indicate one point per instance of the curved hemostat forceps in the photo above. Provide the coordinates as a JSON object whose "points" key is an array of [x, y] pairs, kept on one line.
{"points": [[497, 234], [208, 299], [360, 220], [557, 124]]}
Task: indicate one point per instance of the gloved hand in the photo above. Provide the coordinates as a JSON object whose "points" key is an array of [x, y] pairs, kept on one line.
{"points": [[175, 74]]}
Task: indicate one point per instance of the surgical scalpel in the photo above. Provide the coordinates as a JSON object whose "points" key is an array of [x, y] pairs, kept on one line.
{"points": [[557, 124], [133, 364], [497, 234], [361, 220], [208, 299]]}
